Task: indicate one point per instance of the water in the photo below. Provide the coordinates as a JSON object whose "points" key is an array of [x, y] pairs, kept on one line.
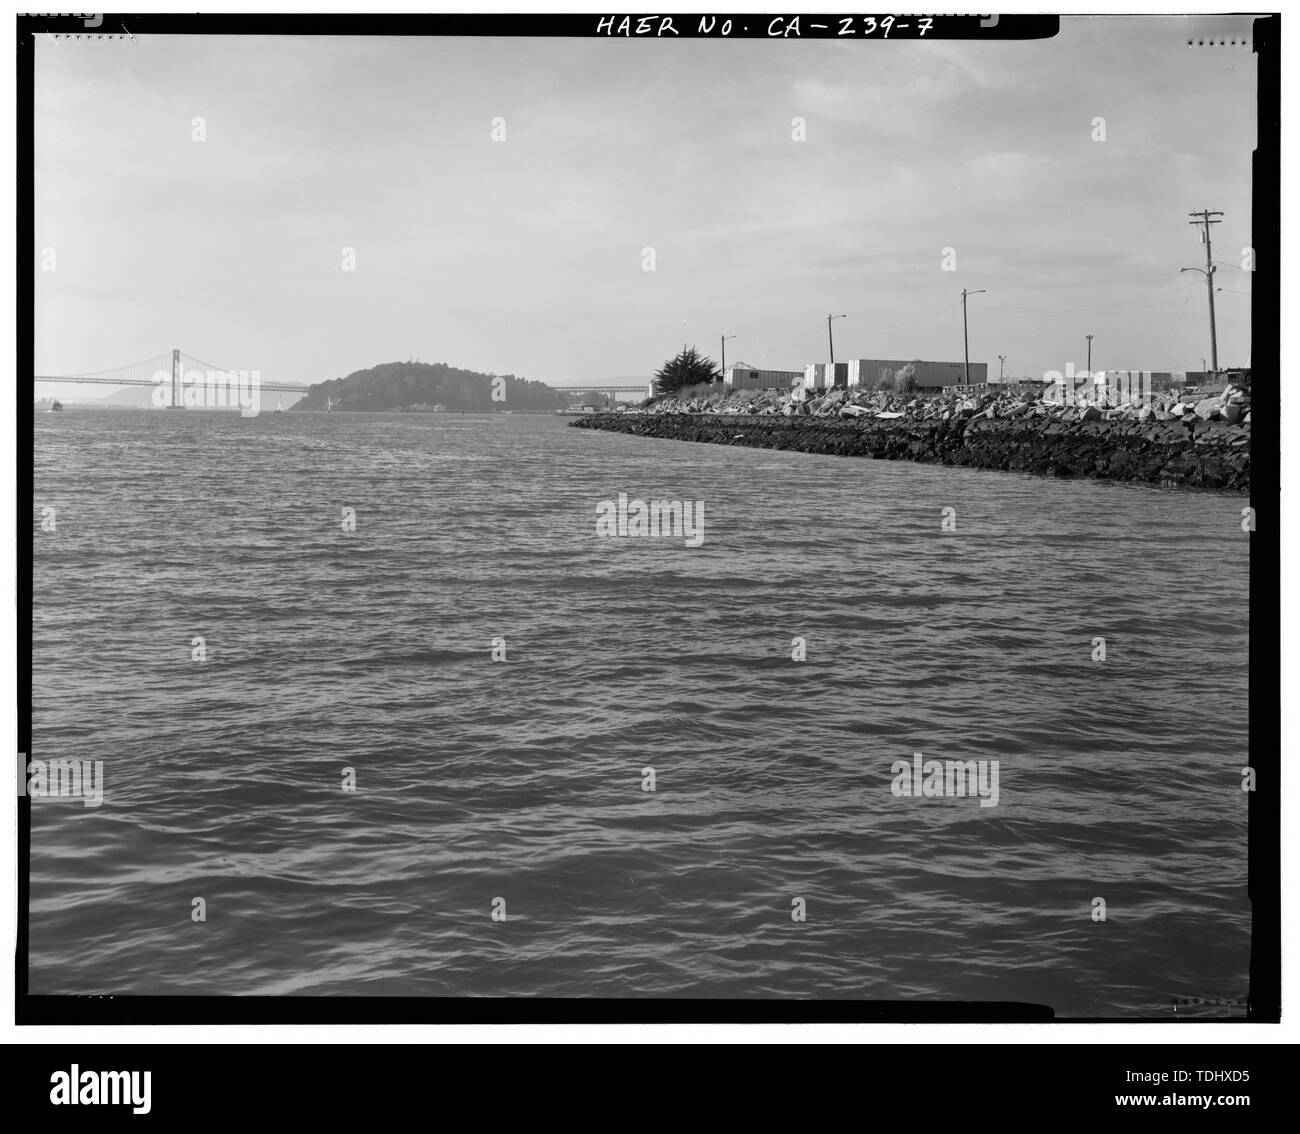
{"points": [[523, 779]]}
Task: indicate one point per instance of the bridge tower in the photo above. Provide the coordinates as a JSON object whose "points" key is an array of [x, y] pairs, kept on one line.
{"points": [[177, 403]]}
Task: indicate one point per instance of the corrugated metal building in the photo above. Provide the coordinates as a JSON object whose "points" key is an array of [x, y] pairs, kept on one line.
{"points": [[746, 378], [814, 376], [824, 375], [873, 372]]}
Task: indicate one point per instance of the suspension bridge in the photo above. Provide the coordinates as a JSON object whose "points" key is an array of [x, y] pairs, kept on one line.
{"points": [[178, 371], [176, 367]]}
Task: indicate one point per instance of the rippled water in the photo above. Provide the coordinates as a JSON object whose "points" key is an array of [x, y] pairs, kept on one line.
{"points": [[523, 779]]}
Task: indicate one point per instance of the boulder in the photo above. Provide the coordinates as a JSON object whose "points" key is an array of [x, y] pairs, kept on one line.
{"points": [[1206, 408]]}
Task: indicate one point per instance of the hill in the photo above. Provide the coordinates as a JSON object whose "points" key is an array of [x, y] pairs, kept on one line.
{"points": [[422, 386], [141, 397]]}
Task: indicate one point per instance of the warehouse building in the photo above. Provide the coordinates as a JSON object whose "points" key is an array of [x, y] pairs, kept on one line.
{"points": [[814, 376], [743, 377], [874, 373], [824, 375]]}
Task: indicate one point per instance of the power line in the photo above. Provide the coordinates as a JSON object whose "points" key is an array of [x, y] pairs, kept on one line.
{"points": [[1101, 307], [1030, 366], [922, 319], [870, 328]]}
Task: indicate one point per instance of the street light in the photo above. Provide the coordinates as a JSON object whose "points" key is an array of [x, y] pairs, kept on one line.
{"points": [[831, 337], [1090, 355], [1208, 273], [964, 339], [724, 355]]}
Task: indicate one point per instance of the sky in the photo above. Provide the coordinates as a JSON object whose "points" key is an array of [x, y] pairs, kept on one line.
{"points": [[526, 255]]}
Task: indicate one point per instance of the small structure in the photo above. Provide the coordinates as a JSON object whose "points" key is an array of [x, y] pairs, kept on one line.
{"points": [[814, 376], [877, 372], [825, 375], [744, 377]]}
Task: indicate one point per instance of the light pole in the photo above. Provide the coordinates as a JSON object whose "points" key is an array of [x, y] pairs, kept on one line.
{"points": [[965, 341], [1089, 356], [724, 355], [1002, 361], [831, 338]]}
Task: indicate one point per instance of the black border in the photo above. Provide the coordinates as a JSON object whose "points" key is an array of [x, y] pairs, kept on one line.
{"points": [[1264, 853], [533, 25], [360, 1082]]}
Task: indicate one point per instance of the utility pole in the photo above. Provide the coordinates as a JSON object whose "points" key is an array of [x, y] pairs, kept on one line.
{"points": [[1089, 356], [965, 340], [1204, 221], [1002, 361], [724, 355], [831, 338]]}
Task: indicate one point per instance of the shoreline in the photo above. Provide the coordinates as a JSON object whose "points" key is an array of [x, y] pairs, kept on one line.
{"points": [[1207, 454]]}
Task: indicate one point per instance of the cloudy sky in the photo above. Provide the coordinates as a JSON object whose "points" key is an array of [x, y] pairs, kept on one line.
{"points": [[526, 255]]}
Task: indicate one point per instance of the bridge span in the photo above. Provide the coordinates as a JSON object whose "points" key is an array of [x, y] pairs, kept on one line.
{"points": [[173, 368], [176, 366]]}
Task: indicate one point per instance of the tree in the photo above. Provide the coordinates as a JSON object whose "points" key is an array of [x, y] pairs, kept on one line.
{"points": [[689, 368]]}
